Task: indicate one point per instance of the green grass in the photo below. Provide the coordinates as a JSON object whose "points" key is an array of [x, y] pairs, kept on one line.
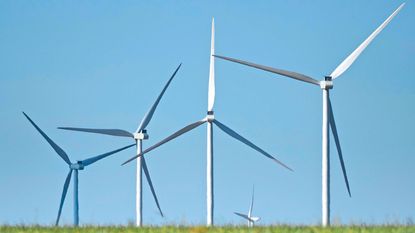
{"points": [[226, 229]]}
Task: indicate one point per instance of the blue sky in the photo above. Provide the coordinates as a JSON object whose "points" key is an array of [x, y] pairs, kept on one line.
{"points": [[103, 63]]}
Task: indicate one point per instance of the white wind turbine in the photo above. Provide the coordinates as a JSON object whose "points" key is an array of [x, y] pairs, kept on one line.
{"points": [[328, 117], [209, 119], [139, 135], [251, 219], [73, 167]]}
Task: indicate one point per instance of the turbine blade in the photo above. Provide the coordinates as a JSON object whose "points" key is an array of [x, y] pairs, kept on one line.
{"points": [[252, 203], [147, 118], [243, 216], [147, 173], [112, 132], [339, 150], [238, 137], [211, 91], [171, 137], [64, 191], [94, 159], [353, 56], [286, 73], [58, 150]]}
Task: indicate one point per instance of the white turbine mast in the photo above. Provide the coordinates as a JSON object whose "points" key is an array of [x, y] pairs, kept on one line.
{"points": [[139, 135], [328, 116], [251, 219], [210, 120], [73, 167]]}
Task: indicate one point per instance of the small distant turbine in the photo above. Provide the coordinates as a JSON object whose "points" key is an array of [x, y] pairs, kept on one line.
{"points": [[210, 120], [251, 219], [328, 116], [73, 167], [139, 135]]}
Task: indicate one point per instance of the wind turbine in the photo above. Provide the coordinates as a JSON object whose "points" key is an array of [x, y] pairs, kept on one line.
{"points": [[251, 219], [139, 135], [73, 167], [328, 117], [210, 120]]}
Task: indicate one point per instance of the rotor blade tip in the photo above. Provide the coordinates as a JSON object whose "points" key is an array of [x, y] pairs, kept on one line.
{"points": [[290, 169], [282, 164], [400, 6], [128, 161]]}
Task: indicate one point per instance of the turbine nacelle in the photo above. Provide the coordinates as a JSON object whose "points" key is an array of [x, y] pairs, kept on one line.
{"points": [[327, 83], [210, 116], [142, 135], [77, 166], [254, 219]]}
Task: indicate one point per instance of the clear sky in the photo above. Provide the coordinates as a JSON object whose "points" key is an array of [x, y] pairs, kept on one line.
{"points": [[102, 64]]}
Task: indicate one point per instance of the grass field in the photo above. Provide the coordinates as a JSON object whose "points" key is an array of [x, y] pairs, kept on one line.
{"points": [[230, 229]]}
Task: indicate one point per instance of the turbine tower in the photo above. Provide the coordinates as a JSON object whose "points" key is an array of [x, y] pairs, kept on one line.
{"points": [[251, 219], [139, 135], [210, 120], [209, 136], [73, 167], [328, 116]]}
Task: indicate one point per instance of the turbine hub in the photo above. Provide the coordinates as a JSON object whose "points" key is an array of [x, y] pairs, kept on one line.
{"points": [[327, 83], [77, 166], [210, 117], [142, 135]]}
